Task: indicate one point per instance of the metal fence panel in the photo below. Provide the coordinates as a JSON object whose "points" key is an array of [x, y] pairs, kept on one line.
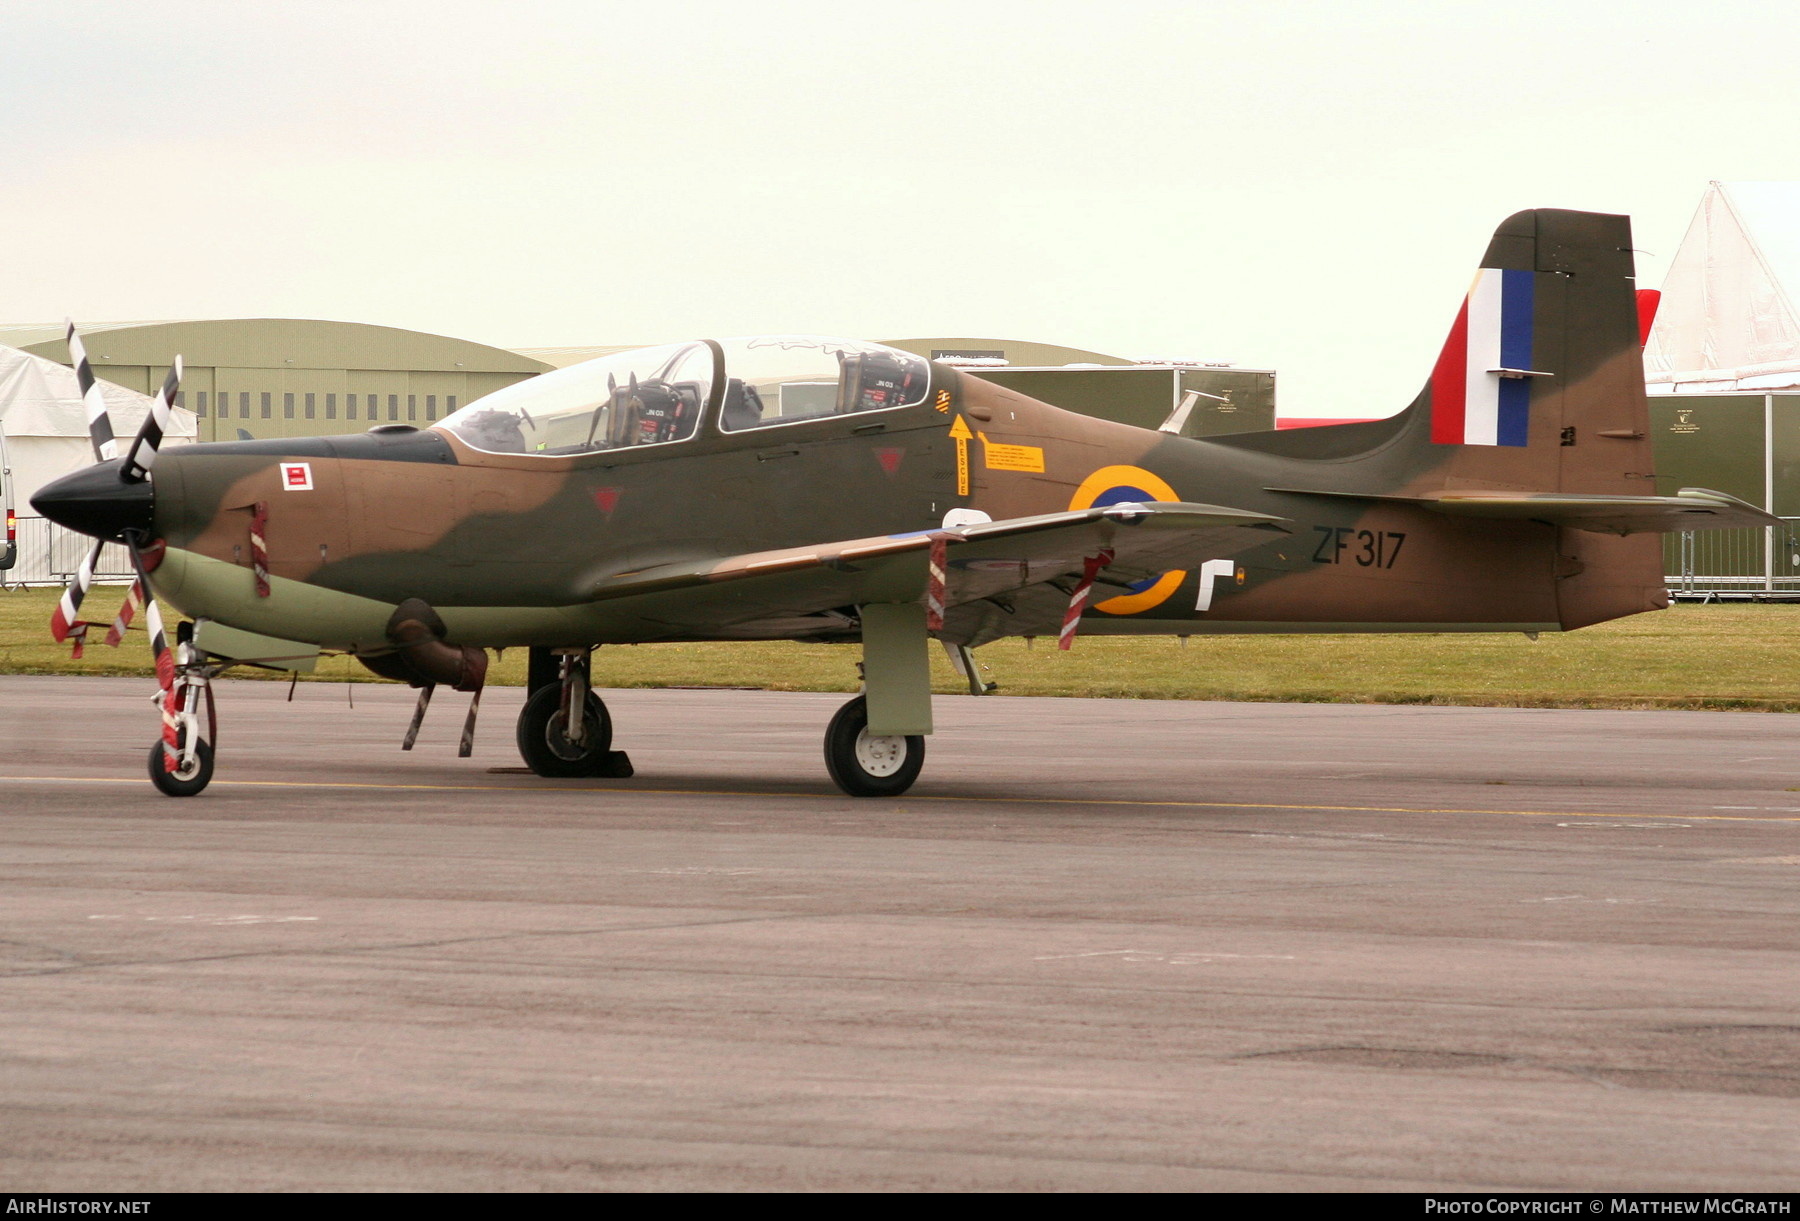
{"points": [[49, 554], [1752, 562]]}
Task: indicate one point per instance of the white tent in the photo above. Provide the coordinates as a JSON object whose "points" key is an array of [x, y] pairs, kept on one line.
{"points": [[46, 436], [1727, 319]]}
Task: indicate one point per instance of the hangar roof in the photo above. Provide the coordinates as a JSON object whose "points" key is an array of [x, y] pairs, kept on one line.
{"points": [[1015, 351], [562, 358], [271, 343]]}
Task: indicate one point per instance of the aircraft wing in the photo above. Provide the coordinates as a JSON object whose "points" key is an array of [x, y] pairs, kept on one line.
{"points": [[983, 559]]}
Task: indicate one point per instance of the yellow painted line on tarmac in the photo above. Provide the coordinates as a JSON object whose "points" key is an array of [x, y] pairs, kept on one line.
{"points": [[282, 784], [1065, 801]]}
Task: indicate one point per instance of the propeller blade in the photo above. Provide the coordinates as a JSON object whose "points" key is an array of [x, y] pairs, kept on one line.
{"points": [[100, 431], [65, 620], [142, 455], [134, 601]]}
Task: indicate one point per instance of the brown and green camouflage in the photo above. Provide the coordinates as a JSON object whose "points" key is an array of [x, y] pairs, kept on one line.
{"points": [[790, 526]]}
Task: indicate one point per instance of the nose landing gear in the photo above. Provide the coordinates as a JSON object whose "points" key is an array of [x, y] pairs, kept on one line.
{"points": [[181, 762]]}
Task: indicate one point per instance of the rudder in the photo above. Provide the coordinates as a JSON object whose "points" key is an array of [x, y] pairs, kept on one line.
{"points": [[1556, 293]]}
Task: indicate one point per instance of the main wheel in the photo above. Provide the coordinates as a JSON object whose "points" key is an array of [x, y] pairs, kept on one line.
{"points": [[544, 737], [185, 783], [867, 765]]}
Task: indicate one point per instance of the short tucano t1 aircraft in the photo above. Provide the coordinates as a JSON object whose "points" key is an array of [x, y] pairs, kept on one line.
{"points": [[806, 488]]}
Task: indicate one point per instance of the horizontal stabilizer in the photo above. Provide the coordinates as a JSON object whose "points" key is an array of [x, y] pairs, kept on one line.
{"points": [[1688, 509]]}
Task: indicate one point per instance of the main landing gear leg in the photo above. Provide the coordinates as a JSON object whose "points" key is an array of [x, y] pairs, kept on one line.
{"points": [[181, 762], [564, 729], [876, 743]]}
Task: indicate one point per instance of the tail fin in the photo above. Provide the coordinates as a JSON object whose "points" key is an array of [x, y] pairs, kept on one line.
{"points": [[1539, 389], [1565, 302], [1540, 386]]}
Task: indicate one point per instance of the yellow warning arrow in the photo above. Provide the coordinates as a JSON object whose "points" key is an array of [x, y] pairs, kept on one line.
{"points": [[960, 432]]}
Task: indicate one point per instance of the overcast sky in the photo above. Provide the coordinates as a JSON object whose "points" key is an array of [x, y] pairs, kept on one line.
{"points": [[1300, 186]]}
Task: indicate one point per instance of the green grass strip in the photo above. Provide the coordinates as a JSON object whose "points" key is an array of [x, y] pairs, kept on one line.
{"points": [[1709, 657]]}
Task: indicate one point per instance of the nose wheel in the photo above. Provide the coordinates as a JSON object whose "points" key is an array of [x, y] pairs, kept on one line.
{"points": [[193, 770], [870, 765]]}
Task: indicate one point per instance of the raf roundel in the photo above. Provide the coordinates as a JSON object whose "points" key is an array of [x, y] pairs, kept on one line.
{"points": [[1111, 485]]}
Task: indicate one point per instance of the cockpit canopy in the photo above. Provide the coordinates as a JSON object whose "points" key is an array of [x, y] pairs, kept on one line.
{"points": [[655, 396], [782, 379]]}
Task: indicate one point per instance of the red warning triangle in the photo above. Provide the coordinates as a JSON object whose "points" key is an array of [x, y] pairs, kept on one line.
{"points": [[889, 459], [606, 498]]}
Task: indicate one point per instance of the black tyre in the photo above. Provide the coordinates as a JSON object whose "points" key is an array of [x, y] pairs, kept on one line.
{"points": [[867, 766], [182, 784], [544, 742]]}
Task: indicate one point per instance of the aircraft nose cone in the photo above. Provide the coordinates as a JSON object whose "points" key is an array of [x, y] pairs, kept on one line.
{"points": [[96, 501]]}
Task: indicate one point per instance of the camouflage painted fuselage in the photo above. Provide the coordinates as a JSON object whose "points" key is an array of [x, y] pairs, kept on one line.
{"points": [[565, 550]]}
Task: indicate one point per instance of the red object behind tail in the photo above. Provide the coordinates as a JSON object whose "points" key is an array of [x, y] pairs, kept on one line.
{"points": [[1647, 301]]}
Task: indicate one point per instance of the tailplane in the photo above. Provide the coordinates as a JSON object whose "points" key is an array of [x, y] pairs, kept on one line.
{"points": [[1535, 409], [1539, 386]]}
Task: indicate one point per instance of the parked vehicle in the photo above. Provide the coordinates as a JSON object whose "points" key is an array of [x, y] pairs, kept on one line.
{"points": [[9, 546]]}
